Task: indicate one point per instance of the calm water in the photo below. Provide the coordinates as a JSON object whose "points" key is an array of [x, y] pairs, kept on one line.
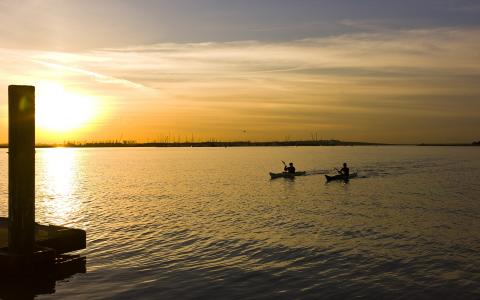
{"points": [[209, 223]]}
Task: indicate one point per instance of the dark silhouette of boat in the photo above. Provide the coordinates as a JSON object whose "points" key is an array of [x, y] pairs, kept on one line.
{"points": [[340, 177], [287, 175]]}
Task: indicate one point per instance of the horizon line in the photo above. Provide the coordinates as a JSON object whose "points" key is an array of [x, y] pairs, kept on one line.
{"points": [[239, 143]]}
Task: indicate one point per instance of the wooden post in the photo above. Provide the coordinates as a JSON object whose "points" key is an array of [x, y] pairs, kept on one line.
{"points": [[21, 169]]}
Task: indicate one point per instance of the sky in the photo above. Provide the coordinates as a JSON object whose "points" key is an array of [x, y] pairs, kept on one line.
{"points": [[356, 70]]}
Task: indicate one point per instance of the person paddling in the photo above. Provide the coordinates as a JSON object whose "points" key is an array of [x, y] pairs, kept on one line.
{"points": [[345, 171], [290, 168]]}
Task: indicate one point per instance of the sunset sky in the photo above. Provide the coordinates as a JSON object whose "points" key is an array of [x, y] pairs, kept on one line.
{"points": [[359, 70]]}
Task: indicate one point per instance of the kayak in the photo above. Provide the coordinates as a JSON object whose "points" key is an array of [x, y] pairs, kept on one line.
{"points": [[339, 177], [286, 174]]}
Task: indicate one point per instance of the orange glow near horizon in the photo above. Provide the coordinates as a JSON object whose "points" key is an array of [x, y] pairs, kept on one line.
{"points": [[59, 110], [384, 87]]}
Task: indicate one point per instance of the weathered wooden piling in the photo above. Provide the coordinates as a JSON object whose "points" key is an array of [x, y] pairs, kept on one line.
{"points": [[21, 169], [25, 246]]}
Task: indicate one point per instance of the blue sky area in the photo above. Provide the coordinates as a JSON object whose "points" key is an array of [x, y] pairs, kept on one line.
{"points": [[90, 24]]}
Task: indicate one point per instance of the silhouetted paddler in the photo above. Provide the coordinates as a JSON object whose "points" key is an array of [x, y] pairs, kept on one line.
{"points": [[290, 168], [345, 171]]}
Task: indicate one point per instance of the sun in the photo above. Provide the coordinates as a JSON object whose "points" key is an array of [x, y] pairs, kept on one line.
{"points": [[57, 109]]}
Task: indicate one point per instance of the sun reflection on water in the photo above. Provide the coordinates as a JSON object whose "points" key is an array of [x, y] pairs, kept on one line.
{"points": [[57, 184]]}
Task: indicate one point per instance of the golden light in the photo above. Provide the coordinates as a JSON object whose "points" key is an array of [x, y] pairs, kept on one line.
{"points": [[60, 110], [58, 183]]}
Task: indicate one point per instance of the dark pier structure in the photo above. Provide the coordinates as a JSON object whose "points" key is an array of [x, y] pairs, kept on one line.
{"points": [[25, 246]]}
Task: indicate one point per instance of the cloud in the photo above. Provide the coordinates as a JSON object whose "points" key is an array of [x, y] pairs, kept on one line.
{"points": [[346, 85]]}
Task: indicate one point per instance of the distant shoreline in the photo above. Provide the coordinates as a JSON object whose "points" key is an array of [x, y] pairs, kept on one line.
{"points": [[132, 144], [451, 145]]}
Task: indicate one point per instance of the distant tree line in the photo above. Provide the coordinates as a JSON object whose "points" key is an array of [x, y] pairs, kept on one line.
{"points": [[216, 143], [213, 143]]}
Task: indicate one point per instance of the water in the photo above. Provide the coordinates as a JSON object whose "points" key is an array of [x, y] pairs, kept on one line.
{"points": [[208, 223]]}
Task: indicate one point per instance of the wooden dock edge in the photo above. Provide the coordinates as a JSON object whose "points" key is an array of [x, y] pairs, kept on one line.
{"points": [[54, 241]]}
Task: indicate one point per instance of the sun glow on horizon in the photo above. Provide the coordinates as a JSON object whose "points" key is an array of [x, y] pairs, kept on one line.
{"points": [[59, 110]]}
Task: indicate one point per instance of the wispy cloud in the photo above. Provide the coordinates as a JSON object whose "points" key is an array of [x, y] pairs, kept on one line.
{"points": [[346, 85], [99, 77]]}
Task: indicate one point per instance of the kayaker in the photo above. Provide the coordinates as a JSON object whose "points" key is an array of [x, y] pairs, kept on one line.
{"points": [[345, 171], [290, 168]]}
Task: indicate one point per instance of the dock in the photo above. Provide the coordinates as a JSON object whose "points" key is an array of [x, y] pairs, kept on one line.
{"points": [[51, 242], [58, 238], [27, 247]]}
